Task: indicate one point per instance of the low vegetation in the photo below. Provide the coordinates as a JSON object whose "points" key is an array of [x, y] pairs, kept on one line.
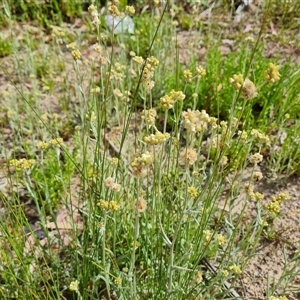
{"points": [[122, 167]]}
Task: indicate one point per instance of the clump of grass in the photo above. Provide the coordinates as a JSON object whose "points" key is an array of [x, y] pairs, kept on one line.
{"points": [[158, 169], [52, 12]]}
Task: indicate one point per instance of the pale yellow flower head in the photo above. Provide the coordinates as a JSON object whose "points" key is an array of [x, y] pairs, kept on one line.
{"points": [[198, 277], [255, 158], [129, 10], [237, 81], [235, 269], [114, 11], [200, 71], [76, 54], [157, 138], [221, 239], [149, 116], [187, 157], [74, 286], [192, 191], [257, 176], [273, 206], [247, 87], [272, 74], [195, 121], [187, 74]]}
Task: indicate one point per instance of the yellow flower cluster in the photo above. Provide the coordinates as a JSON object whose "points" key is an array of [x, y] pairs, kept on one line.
{"points": [[41, 145], [95, 90], [56, 142], [124, 96], [273, 207], [115, 75], [149, 116], [188, 76], [113, 10], [255, 158], [148, 71], [57, 31], [150, 64], [140, 164], [261, 137], [247, 87], [129, 10], [258, 196], [224, 273], [168, 101], [198, 277], [235, 269], [237, 81], [278, 298], [157, 138], [192, 191], [275, 204], [117, 72], [221, 239], [153, 61], [76, 54], [22, 164], [115, 161], [223, 161], [74, 286], [108, 205], [249, 190], [195, 121], [272, 74], [243, 135], [200, 71], [71, 46], [282, 197], [135, 244], [93, 11], [207, 234], [137, 59], [97, 48], [118, 281]]}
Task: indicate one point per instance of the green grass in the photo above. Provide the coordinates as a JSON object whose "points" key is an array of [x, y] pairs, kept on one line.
{"points": [[134, 189]]}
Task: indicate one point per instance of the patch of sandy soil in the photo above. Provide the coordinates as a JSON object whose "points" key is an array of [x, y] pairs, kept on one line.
{"points": [[231, 33]]}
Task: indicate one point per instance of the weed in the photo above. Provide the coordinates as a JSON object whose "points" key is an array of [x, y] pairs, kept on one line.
{"points": [[135, 163]]}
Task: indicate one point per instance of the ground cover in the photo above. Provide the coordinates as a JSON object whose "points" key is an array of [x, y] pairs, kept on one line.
{"points": [[159, 164]]}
